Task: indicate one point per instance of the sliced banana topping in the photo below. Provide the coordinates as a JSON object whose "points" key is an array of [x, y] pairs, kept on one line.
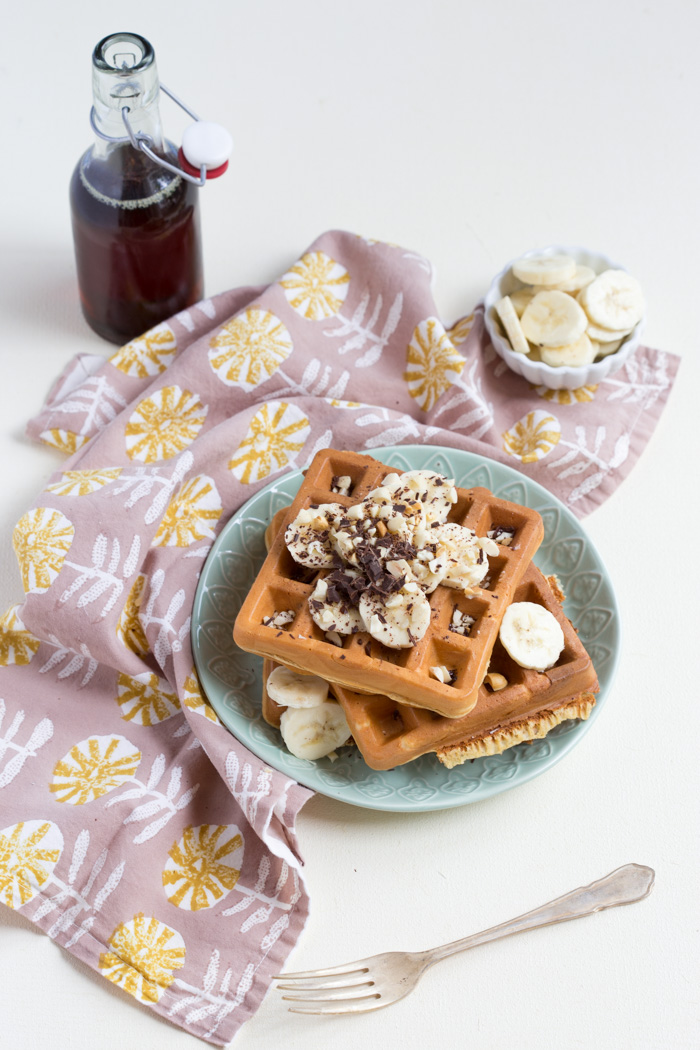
{"points": [[582, 276], [290, 689], [553, 319], [505, 308], [308, 537], [461, 556], [397, 621], [582, 352], [544, 269], [531, 635], [614, 300], [435, 493], [313, 732], [387, 552], [331, 607]]}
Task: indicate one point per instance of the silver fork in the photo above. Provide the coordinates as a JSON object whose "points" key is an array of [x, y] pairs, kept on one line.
{"points": [[381, 980]]}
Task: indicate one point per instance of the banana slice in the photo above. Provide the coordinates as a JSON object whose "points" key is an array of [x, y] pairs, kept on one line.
{"points": [[553, 319], [521, 298], [544, 269], [399, 620], [582, 352], [308, 537], [531, 635], [313, 732], [614, 300], [436, 494], [605, 349], [511, 323], [582, 276], [331, 609], [290, 689], [606, 335], [461, 556]]}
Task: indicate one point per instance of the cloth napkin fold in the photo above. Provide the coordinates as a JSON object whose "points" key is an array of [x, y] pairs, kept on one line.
{"points": [[136, 831]]}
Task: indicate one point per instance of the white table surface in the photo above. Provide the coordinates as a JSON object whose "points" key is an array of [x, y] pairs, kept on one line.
{"points": [[469, 132]]}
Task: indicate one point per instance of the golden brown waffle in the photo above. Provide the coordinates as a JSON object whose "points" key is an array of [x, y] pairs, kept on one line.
{"points": [[363, 664], [390, 734]]}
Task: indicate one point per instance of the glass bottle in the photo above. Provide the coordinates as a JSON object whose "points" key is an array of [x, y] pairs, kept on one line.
{"points": [[135, 224]]}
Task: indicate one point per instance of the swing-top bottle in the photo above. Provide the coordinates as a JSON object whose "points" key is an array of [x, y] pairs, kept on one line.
{"points": [[135, 224]]}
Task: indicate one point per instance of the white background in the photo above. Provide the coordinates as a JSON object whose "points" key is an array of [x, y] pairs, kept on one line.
{"points": [[469, 132]]}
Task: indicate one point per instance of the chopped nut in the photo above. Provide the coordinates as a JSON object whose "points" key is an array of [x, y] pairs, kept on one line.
{"points": [[341, 484], [461, 622], [495, 681], [381, 528], [441, 673], [334, 638], [279, 618], [503, 534], [319, 523]]}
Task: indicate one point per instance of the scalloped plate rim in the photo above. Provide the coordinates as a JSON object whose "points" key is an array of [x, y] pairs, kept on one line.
{"points": [[427, 768]]}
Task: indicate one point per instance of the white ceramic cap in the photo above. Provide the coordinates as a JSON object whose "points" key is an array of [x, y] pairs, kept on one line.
{"points": [[206, 143]]}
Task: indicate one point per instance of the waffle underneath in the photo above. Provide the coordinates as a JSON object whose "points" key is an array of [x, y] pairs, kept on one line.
{"points": [[390, 734]]}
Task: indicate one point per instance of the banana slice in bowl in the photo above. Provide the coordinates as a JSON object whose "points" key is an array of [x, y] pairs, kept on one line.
{"points": [[597, 306]]}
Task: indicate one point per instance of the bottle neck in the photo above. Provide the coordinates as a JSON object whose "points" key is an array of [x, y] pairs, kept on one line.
{"points": [[125, 78]]}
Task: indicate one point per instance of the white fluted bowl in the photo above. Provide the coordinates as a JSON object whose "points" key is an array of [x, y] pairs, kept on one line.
{"points": [[537, 372]]}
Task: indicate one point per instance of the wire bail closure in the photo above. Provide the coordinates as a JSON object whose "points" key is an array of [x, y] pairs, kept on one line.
{"points": [[139, 140]]}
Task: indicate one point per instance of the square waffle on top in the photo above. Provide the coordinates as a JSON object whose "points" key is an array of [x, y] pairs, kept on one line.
{"points": [[390, 734], [275, 621]]}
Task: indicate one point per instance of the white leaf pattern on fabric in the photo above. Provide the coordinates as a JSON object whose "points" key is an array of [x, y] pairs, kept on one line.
{"points": [[96, 401], [103, 578], [76, 662], [169, 639], [40, 735], [580, 457], [162, 802], [144, 481], [361, 332], [79, 898]]}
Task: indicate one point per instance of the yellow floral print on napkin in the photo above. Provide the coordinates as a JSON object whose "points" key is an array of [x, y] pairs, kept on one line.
{"points": [[29, 852], [83, 482], [41, 539], [277, 432], [145, 952], [92, 768], [149, 355], [164, 424], [191, 516], [432, 363], [129, 628], [17, 645], [200, 869], [532, 437], [316, 286], [146, 699], [249, 348]]}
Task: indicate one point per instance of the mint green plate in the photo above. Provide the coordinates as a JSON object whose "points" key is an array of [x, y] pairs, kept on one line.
{"points": [[232, 679]]}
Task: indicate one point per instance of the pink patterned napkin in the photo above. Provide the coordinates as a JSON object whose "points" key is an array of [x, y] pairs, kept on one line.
{"points": [[136, 831]]}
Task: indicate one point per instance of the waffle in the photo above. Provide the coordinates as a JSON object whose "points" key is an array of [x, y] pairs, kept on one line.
{"points": [[390, 734], [361, 663]]}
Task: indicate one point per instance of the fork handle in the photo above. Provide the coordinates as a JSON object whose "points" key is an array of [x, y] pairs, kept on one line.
{"points": [[625, 885]]}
